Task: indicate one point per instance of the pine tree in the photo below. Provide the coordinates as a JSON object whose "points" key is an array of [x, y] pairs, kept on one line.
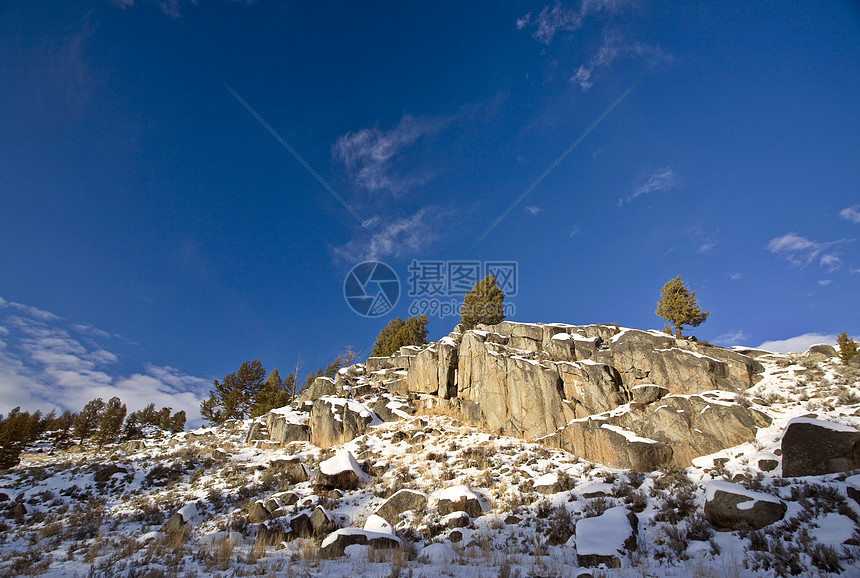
{"points": [[110, 421], [273, 394], [87, 421], [678, 306], [483, 304], [847, 347], [398, 333], [177, 422], [232, 398], [13, 437]]}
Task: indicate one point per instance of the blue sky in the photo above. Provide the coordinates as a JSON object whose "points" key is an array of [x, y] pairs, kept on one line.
{"points": [[155, 234]]}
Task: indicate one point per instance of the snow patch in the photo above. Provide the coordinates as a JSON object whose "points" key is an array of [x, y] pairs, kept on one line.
{"points": [[628, 435], [603, 535]]}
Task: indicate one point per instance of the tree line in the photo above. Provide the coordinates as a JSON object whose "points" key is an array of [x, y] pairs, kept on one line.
{"points": [[99, 422], [250, 392]]}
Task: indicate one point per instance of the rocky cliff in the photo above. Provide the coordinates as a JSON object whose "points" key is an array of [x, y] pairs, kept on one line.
{"points": [[623, 397]]}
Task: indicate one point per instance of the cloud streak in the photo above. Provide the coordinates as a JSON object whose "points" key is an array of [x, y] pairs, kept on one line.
{"points": [[613, 47], [800, 251], [660, 180], [370, 155], [559, 18], [396, 237], [851, 214], [799, 343]]}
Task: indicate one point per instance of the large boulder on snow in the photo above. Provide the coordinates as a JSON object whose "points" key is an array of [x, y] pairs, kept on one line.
{"points": [[322, 522], [460, 499], [604, 539], [334, 421], [402, 501], [186, 515], [377, 533], [813, 447], [341, 472], [731, 507], [287, 425]]}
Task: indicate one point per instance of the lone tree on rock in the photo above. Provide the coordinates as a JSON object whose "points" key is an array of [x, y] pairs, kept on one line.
{"points": [[847, 347], [678, 306], [483, 304]]}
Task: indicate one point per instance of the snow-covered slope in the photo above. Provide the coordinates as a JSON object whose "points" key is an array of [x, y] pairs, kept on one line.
{"points": [[207, 503]]}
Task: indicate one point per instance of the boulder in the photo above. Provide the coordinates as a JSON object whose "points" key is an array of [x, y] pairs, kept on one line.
{"points": [[598, 440], [107, 472], [321, 386], [257, 431], [390, 408], [286, 427], [340, 472], [593, 387], [334, 421], [812, 447], [336, 542], [298, 473], [696, 425], [179, 519], [646, 393], [301, 527], [603, 539], [731, 507], [549, 484], [321, 522], [402, 501], [460, 499], [820, 352], [852, 484], [258, 513], [270, 534]]}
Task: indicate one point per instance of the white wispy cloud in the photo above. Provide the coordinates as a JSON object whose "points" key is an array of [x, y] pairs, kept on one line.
{"points": [[46, 362], [576, 231], [825, 282], [660, 180], [800, 251], [395, 237], [731, 338], [799, 343], [560, 18], [531, 209], [736, 276], [370, 154], [851, 214], [614, 46], [706, 246]]}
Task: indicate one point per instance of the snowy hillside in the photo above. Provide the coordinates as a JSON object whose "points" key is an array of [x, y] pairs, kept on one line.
{"points": [[428, 494]]}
